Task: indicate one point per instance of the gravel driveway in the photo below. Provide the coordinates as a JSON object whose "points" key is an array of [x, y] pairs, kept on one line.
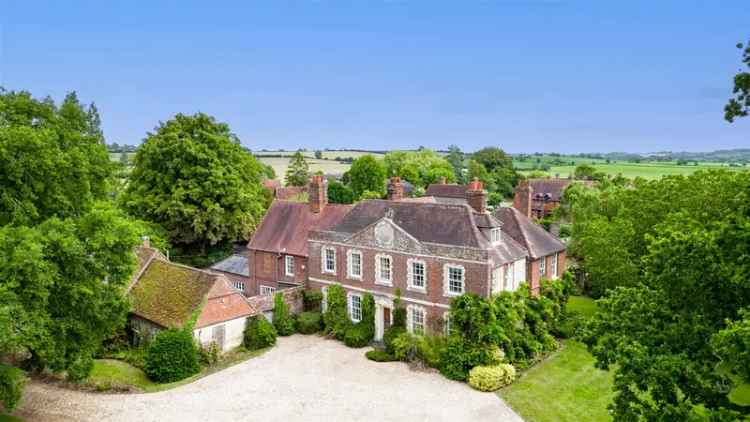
{"points": [[303, 378]]}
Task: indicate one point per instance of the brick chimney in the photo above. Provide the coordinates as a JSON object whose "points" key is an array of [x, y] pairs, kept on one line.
{"points": [[146, 242], [522, 198], [476, 196], [395, 189], [317, 193], [442, 180]]}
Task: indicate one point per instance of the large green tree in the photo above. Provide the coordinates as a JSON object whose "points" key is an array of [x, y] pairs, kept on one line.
{"points": [[456, 159], [298, 172], [53, 160], [492, 158], [739, 105], [367, 174], [192, 178], [420, 168]]}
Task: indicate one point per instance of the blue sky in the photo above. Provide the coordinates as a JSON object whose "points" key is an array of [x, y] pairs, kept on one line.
{"points": [[567, 76]]}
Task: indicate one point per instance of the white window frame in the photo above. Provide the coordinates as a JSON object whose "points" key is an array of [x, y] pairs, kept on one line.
{"points": [[351, 306], [553, 268], [267, 290], [446, 323], [324, 299], [410, 275], [543, 267], [510, 272], [324, 260], [411, 311], [289, 261], [446, 280], [379, 270], [495, 235], [239, 285], [350, 264]]}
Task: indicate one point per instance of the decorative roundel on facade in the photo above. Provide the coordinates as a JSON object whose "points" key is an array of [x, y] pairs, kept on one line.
{"points": [[384, 235]]}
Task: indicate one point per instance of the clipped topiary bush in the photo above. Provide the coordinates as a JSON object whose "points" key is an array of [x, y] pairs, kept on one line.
{"points": [[12, 381], [309, 322], [391, 334], [405, 347], [357, 335], [172, 356], [259, 333], [282, 321], [491, 378], [380, 356]]}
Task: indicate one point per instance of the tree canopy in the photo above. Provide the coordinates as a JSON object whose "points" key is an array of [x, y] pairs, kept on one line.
{"points": [[456, 159], [493, 167], [670, 258], [192, 178], [420, 168], [53, 160], [298, 171], [367, 174], [739, 105], [492, 158]]}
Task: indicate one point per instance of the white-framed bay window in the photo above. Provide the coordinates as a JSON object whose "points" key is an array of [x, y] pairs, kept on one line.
{"points": [[354, 264], [415, 317], [289, 265], [543, 267], [355, 307], [328, 260], [495, 235], [383, 269], [416, 275], [454, 283]]}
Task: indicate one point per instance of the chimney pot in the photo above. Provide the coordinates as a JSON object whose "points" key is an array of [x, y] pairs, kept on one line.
{"points": [[476, 196], [395, 189], [522, 198], [317, 193], [443, 180]]}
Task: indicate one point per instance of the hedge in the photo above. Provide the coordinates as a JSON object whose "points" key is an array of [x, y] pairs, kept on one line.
{"points": [[282, 321], [309, 322], [12, 381], [335, 318], [172, 356], [380, 356], [259, 333]]}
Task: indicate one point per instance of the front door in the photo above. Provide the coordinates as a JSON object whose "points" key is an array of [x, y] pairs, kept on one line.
{"points": [[386, 318]]}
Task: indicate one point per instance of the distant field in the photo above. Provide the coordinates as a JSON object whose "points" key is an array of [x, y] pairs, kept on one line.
{"points": [[632, 170], [280, 164]]}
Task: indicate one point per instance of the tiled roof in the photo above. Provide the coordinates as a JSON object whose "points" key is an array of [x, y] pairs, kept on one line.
{"points": [[234, 264], [553, 187], [446, 190], [530, 235], [435, 223], [290, 192], [286, 225], [224, 303]]}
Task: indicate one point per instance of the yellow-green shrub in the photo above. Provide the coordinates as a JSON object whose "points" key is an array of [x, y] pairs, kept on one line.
{"points": [[491, 378]]}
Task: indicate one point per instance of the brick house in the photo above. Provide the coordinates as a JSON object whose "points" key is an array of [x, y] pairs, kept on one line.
{"points": [[278, 251], [235, 268], [169, 295], [538, 198], [546, 252], [431, 252]]}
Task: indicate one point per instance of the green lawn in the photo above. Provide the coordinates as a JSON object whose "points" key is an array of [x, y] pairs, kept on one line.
{"points": [[648, 170], [584, 305], [565, 387], [7, 418]]}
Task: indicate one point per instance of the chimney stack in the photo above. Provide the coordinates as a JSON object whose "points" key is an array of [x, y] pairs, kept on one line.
{"points": [[476, 196], [522, 198], [443, 180], [146, 241], [395, 189], [317, 193]]}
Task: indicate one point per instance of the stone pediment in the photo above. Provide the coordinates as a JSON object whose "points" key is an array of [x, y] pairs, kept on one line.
{"points": [[385, 234]]}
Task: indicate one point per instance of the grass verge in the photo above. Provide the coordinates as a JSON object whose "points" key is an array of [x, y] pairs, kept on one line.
{"points": [[565, 387]]}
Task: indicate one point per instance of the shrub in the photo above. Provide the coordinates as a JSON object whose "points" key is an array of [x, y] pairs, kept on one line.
{"points": [[309, 322], [172, 356], [80, 369], [380, 356], [358, 335], [399, 312], [491, 378], [430, 350], [391, 334], [335, 317], [312, 300], [282, 321], [259, 333], [209, 355], [460, 355], [12, 381], [405, 347]]}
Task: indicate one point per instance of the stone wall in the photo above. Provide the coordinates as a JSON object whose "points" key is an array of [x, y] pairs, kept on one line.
{"points": [[292, 297]]}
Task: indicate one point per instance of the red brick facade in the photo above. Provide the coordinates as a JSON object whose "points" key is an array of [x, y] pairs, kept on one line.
{"points": [[533, 269], [269, 269]]}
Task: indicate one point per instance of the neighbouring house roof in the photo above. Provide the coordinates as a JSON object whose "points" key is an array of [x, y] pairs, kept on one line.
{"points": [[233, 264], [444, 190], [271, 184], [170, 294], [144, 254], [530, 235], [285, 227], [290, 193], [553, 187]]}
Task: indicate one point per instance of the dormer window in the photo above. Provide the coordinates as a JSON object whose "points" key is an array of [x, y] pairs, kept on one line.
{"points": [[495, 235]]}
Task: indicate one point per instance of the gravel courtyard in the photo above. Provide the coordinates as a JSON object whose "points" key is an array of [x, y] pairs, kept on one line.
{"points": [[303, 378]]}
